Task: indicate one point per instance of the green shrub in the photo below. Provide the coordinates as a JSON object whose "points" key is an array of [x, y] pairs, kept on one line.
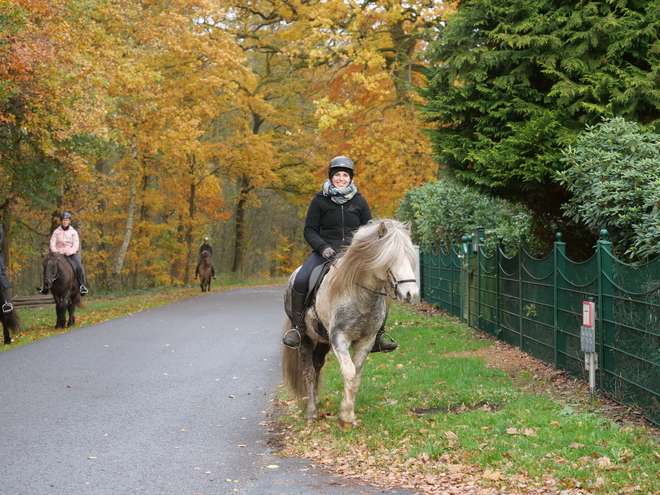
{"points": [[614, 176], [445, 210]]}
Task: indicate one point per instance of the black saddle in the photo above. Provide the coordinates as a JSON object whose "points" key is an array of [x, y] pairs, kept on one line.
{"points": [[74, 267], [315, 279]]}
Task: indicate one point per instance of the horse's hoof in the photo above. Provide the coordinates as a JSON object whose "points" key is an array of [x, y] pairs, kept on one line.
{"points": [[344, 425]]}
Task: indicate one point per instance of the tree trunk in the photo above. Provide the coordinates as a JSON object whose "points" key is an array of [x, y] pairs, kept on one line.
{"points": [[191, 217], [116, 273], [239, 233], [5, 241]]}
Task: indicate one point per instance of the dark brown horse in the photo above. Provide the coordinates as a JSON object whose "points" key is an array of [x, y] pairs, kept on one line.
{"points": [[60, 279], [11, 323], [205, 271]]}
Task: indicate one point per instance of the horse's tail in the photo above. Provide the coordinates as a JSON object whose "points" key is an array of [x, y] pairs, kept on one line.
{"points": [[77, 301], [12, 321], [292, 370]]}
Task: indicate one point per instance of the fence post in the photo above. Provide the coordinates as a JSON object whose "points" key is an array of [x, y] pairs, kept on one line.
{"points": [[499, 251], [559, 254], [605, 314], [480, 244], [465, 279], [521, 326], [418, 274]]}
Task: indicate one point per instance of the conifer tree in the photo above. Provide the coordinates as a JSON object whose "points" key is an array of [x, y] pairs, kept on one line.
{"points": [[511, 84]]}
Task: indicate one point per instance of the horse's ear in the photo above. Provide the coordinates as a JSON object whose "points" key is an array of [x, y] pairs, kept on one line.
{"points": [[382, 230]]}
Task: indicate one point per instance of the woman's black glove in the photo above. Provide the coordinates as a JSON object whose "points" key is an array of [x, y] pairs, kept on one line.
{"points": [[328, 253]]}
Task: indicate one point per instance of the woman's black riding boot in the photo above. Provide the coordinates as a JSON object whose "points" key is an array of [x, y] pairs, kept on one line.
{"points": [[382, 345], [292, 337], [7, 307]]}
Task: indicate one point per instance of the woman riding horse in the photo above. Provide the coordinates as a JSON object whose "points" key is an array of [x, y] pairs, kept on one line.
{"points": [[65, 241], [205, 248], [334, 214]]}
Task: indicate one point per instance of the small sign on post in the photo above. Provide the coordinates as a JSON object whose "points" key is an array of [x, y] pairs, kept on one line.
{"points": [[588, 329], [588, 313]]}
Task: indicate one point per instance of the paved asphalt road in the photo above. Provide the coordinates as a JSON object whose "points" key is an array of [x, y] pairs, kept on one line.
{"points": [[174, 400]]}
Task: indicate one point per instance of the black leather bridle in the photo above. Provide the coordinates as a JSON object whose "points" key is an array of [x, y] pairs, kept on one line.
{"points": [[394, 283]]}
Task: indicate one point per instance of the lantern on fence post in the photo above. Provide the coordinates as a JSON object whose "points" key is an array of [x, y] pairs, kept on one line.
{"points": [[588, 342], [478, 238]]}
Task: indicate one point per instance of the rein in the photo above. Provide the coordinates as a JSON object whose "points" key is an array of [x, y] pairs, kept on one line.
{"points": [[57, 272], [394, 283]]}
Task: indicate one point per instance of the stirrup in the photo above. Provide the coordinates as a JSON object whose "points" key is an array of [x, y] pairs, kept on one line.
{"points": [[295, 340], [42, 290], [7, 307], [83, 290]]}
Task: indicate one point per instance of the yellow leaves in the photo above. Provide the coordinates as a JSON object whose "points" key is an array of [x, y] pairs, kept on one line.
{"points": [[330, 113]]}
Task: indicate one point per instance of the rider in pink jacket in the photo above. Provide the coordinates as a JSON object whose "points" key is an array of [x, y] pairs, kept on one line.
{"points": [[65, 241]]}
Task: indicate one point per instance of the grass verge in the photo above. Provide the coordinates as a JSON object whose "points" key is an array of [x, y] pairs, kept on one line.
{"points": [[437, 414]]}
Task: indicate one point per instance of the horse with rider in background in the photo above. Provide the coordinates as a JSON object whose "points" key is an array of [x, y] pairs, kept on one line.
{"points": [[204, 271], [59, 278]]}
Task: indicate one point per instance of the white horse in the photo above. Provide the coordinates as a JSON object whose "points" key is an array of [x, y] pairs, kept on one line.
{"points": [[352, 304]]}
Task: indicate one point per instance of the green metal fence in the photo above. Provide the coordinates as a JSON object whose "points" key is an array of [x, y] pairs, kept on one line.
{"points": [[536, 305]]}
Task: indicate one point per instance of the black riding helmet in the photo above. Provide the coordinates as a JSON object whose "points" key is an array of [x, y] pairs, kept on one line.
{"points": [[341, 163], [65, 215]]}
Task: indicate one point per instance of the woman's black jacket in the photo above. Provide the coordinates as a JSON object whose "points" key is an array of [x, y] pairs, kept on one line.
{"points": [[331, 225]]}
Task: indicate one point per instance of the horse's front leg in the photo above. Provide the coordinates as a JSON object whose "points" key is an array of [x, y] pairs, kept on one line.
{"points": [[351, 376], [5, 333], [306, 353], [60, 311]]}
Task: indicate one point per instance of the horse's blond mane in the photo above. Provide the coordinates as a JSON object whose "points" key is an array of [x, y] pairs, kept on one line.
{"points": [[375, 248]]}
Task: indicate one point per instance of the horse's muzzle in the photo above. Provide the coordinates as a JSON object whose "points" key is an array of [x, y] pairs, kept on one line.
{"points": [[408, 292]]}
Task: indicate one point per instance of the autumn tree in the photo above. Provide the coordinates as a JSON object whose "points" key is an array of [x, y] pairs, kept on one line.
{"points": [[271, 125], [366, 104], [49, 117], [170, 84]]}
